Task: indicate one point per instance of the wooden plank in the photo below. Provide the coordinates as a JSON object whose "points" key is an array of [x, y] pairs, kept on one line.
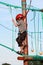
{"points": [[25, 58]]}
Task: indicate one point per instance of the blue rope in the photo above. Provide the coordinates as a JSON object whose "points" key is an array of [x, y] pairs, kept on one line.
{"points": [[38, 29], [32, 48], [40, 43], [12, 29], [35, 33]]}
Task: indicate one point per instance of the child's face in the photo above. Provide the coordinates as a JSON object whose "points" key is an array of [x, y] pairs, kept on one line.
{"points": [[19, 20]]}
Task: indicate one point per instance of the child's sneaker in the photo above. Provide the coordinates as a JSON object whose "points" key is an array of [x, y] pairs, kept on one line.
{"points": [[20, 52]]}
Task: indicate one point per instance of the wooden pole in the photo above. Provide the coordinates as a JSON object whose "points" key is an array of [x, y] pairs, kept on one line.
{"points": [[26, 40]]}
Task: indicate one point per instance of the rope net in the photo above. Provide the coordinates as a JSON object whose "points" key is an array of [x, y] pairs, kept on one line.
{"points": [[9, 32]]}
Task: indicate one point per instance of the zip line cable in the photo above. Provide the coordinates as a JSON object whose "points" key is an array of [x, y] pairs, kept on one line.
{"points": [[10, 5]]}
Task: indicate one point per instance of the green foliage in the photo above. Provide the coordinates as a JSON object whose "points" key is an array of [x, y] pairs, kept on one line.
{"points": [[5, 64], [35, 63]]}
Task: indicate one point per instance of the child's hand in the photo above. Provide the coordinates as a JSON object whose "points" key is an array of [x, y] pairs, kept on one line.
{"points": [[12, 19]]}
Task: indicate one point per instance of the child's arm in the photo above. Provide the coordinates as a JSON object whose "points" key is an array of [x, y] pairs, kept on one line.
{"points": [[27, 12], [25, 15], [16, 24], [28, 9]]}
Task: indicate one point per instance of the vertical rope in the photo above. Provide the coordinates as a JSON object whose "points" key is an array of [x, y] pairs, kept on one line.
{"points": [[41, 53], [42, 19], [12, 36], [38, 30], [12, 29], [32, 48], [35, 33], [40, 43], [30, 3], [11, 12]]}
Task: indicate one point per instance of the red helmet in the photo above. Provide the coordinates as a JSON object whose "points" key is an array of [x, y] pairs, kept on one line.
{"points": [[19, 16]]}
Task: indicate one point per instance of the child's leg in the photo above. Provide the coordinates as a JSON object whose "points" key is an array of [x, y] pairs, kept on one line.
{"points": [[23, 35], [21, 38], [24, 44], [20, 44], [21, 48], [20, 41]]}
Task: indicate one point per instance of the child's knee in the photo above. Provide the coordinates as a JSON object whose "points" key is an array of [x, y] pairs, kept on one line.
{"points": [[19, 42]]}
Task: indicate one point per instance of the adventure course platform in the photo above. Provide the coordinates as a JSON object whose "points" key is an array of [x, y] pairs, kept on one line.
{"points": [[33, 58], [35, 32]]}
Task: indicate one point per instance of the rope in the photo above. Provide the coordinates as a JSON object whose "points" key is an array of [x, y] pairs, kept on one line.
{"points": [[11, 12], [32, 48], [33, 17], [35, 12], [12, 29], [6, 27], [38, 31], [35, 33], [30, 4], [9, 5], [42, 19], [40, 43], [8, 47], [34, 57], [12, 49]]}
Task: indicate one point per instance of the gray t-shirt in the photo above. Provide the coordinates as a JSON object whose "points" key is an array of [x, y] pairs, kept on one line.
{"points": [[21, 26]]}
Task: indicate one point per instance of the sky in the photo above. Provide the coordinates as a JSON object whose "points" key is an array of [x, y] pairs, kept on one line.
{"points": [[8, 37]]}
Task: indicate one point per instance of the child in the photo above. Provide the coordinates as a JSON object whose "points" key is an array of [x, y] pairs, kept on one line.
{"points": [[22, 30]]}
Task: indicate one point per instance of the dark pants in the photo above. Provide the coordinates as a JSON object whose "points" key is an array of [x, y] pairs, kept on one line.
{"points": [[21, 37]]}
